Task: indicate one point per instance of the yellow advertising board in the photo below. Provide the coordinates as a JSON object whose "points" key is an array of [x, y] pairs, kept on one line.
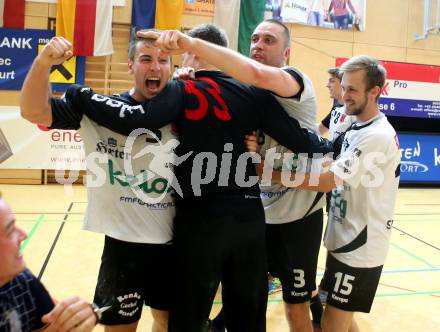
{"points": [[63, 73]]}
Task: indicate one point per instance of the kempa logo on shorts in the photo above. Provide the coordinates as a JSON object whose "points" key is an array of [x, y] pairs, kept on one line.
{"points": [[339, 299], [293, 293]]}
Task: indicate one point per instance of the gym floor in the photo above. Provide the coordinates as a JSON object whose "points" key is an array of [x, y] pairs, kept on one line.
{"points": [[67, 258]]}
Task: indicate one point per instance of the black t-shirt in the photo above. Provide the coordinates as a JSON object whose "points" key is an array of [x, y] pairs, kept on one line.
{"points": [[209, 112], [23, 301]]}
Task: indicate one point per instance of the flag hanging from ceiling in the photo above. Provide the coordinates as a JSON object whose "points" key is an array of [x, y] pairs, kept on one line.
{"points": [[119, 3], [227, 16], [251, 14], [143, 14], [239, 18], [87, 24], [159, 14], [168, 14], [12, 14]]}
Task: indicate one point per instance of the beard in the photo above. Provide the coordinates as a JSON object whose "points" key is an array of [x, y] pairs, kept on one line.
{"points": [[356, 109]]}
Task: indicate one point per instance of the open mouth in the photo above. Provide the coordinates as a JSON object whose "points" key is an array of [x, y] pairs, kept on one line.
{"points": [[152, 83]]}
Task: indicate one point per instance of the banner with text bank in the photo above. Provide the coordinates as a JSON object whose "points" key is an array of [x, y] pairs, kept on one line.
{"points": [[18, 49]]}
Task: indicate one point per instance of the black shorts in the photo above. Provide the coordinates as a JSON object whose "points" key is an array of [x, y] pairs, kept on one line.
{"points": [[350, 288], [292, 251], [131, 275], [220, 238]]}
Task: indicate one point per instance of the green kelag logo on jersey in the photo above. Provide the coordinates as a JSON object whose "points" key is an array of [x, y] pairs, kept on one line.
{"points": [[157, 186], [291, 164], [339, 203]]}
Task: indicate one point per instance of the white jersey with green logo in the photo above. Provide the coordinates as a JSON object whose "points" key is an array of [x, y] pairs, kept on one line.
{"points": [[282, 204], [361, 210], [113, 206]]}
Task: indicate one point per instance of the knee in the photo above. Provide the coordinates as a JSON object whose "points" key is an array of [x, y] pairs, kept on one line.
{"points": [[160, 319], [296, 310]]}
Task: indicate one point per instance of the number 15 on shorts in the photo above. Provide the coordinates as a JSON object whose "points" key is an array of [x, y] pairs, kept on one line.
{"points": [[343, 284]]}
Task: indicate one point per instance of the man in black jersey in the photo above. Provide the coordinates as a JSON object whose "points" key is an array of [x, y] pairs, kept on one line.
{"points": [[294, 217], [25, 304], [219, 227]]}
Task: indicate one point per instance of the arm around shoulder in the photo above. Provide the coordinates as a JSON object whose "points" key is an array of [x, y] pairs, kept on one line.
{"points": [[276, 80], [246, 70]]}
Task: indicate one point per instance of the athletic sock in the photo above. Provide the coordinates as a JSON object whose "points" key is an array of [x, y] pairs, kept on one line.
{"points": [[316, 309], [219, 321]]}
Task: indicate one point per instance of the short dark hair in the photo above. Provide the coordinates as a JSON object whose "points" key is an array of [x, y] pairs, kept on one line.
{"points": [[286, 31], [335, 72], [134, 40], [375, 73], [210, 33]]}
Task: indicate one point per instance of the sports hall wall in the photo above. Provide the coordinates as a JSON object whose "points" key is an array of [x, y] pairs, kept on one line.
{"points": [[391, 27]]}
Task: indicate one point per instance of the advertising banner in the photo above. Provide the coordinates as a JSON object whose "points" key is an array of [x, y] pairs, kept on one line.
{"points": [[199, 7], [24, 145], [18, 49], [411, 90], [420, 155], [331, 14]]}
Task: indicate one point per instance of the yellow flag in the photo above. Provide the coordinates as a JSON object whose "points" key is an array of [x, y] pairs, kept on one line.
{"points": [[65, 22], [168, 14]]}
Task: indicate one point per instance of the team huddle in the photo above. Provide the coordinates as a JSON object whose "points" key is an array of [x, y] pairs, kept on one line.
{"points": [[219, 177]]}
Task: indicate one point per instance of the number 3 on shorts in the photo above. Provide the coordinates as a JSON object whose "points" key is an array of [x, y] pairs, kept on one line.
{"points": [[298, 275], [345, 287]]}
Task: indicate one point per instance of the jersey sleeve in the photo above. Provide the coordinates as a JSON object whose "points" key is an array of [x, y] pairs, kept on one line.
{"points": [[326, 121], [67, 112], [364, 154], [43, 301], [121, 117], [299, 79]]}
